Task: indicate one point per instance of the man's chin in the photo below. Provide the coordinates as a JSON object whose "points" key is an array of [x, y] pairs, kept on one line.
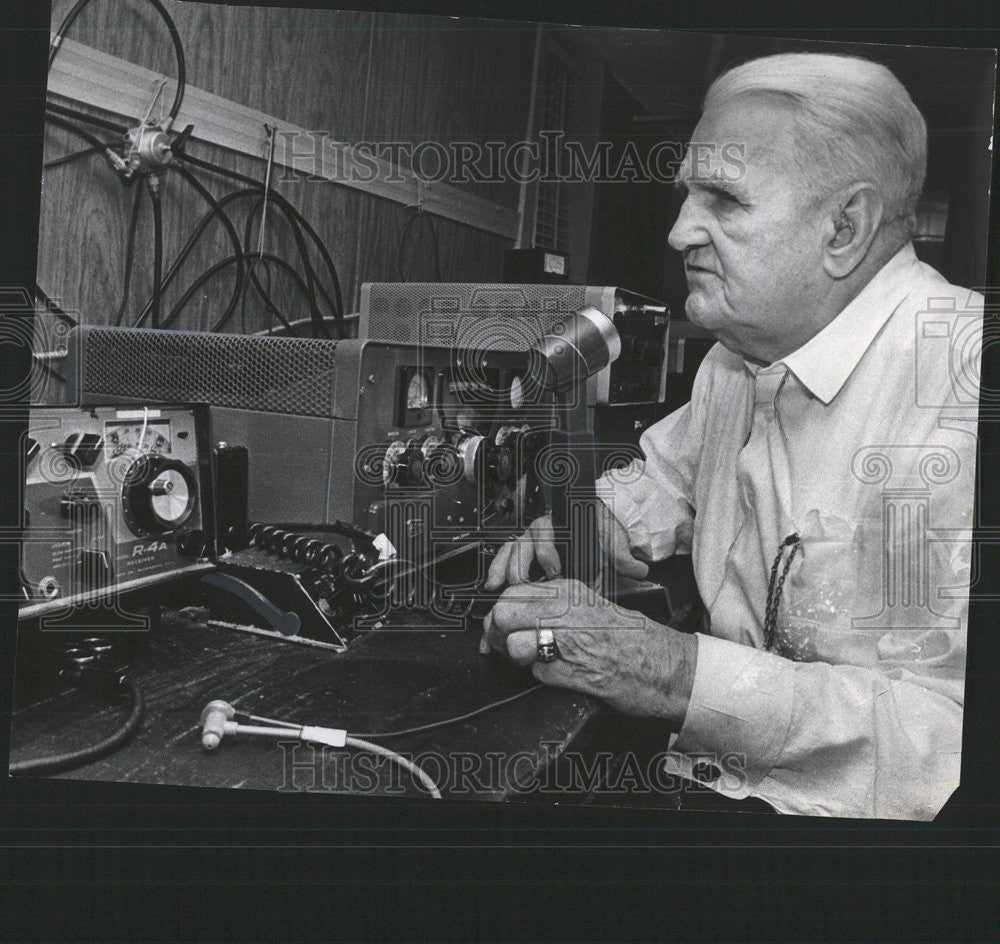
{"points": [[699, 313]]}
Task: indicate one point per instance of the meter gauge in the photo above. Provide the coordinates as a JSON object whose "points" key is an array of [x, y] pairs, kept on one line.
{"points": [[415, 404], [418, 392], [138, 438]]}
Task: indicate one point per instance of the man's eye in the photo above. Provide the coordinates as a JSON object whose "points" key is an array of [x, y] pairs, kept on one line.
{"points": [[726, 197]]}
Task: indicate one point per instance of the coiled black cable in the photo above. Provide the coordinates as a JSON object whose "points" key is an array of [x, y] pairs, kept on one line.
{"points": [[311, 282], [221, 264], [175, 38], [217, 209], [70, 759], [280, 200]]}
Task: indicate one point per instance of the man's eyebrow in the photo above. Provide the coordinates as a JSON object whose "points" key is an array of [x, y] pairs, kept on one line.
{"points": [[685, 182]]}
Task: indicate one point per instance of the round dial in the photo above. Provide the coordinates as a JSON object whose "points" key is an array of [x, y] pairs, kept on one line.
{"points": [[158, 495]]}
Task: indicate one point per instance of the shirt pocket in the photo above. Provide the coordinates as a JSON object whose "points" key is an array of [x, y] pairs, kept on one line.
{"points": [[832, 579]]}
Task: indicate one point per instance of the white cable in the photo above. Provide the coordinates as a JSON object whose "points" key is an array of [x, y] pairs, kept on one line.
{"points": [[421, 775], [337, 738]]}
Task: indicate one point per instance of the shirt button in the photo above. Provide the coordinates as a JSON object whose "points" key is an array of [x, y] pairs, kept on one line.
{"points": [[705, 772]]}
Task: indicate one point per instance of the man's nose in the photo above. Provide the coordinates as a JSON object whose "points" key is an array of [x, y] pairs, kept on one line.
{"points": [[687, 231]]}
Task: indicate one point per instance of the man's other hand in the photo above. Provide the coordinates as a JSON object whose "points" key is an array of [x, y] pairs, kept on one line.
{"points": [[513, 561]]}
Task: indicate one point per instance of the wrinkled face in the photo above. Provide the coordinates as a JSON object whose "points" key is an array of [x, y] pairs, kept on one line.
{"points": [[750, 230]]}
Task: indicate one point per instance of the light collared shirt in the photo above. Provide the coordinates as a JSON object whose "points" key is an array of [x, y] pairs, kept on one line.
{"points": [[863, 444]]}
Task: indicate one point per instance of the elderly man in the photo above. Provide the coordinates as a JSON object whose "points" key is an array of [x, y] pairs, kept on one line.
{"points": [[822, 475]]}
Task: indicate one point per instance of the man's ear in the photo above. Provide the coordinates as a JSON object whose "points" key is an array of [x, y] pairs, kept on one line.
{"points": [[855, 215]]}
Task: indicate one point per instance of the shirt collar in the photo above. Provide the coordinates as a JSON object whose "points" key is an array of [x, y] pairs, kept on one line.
{"points": [[826, 360]]}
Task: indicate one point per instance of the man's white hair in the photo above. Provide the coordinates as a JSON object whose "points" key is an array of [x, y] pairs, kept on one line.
{"points": [[855, 122]]}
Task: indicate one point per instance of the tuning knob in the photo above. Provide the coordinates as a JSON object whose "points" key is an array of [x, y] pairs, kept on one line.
{"points": [[506, 460], [158, 495], [471, 451]]}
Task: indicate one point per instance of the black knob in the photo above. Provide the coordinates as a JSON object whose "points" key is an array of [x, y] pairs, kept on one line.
{"points": [[192, 544], [158, 495]]}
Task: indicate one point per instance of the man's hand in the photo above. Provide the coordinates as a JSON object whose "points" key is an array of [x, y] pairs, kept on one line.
{"points": [[513, 560], [620, 656]]}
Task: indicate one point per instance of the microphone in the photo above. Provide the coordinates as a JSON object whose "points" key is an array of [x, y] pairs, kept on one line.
{"points": [[213, 722], [576, 348], [559, 363]]}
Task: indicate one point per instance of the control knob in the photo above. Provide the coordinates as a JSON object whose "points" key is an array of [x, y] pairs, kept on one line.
{"points": [[158, 495]]}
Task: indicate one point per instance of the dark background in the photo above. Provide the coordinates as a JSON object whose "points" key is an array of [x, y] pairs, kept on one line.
{"points": [[91, 861]]}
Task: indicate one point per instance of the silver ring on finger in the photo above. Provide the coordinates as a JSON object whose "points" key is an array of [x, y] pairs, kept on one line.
{"points": [[546, 646]]}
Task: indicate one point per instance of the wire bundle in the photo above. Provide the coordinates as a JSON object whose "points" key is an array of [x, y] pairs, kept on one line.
{"points": [[253, 267]]}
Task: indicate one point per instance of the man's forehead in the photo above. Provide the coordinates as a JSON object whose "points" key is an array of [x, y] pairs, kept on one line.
{"points": [[738, 138]]}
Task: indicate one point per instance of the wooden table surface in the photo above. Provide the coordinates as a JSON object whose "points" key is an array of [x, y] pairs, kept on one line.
{"points": [[391, 680]]}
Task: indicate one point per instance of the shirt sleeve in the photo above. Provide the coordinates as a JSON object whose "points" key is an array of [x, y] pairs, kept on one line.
{"points": [[821, 739], [653, 499]]}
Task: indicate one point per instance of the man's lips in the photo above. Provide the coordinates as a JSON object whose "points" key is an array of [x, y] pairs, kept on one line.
{"points": [[690, 269]]}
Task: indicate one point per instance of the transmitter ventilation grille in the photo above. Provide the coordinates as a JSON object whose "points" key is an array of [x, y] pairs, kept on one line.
{"points": [[275, 375], [439, 313]]}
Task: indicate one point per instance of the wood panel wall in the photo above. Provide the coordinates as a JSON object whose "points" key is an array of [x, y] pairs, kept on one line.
{"points": [[357, 76]]}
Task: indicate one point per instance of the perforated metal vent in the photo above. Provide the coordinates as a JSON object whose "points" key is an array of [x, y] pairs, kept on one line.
{"points": [[434, 312], [277, 375]]}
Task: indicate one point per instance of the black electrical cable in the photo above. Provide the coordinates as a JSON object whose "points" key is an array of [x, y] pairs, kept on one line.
{"points": [[86, 755], [229, 260], [294, 217], [217, 209], [81, 5], [295, 220], [303, 255], [61, 110], [129, 255], [75, 156], [303, 222], [95, 141], [154, 196], [265, 294]]}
